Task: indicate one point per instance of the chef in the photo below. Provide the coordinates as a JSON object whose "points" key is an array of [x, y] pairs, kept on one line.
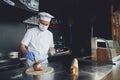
{"points": [[37, 41]]}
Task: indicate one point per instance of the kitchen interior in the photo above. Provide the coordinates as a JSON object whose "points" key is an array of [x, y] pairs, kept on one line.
{"points": [[87, 30]]}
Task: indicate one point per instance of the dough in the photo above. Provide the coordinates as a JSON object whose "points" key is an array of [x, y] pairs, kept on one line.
{"points": [[46, 70]]}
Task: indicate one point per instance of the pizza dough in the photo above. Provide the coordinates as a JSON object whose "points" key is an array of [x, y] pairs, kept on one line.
{"points": [[45, 70]]}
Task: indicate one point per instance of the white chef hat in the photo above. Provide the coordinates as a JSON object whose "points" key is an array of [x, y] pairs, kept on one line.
{"points": [[45, 16]]}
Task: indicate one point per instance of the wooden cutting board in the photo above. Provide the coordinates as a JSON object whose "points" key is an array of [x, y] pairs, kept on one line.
{"points": [[74, 69]]}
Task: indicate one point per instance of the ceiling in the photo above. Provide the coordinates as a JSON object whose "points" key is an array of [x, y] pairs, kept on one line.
{"points": [[58, 8], [68, 7], [18, 13]]}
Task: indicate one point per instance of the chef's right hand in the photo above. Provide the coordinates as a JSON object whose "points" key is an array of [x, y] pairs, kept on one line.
{"points": [[29, 55]]}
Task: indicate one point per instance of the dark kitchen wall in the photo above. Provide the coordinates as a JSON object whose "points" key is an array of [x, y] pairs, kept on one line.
{"points": [[97, 15], [10, 36], [102, 23]]}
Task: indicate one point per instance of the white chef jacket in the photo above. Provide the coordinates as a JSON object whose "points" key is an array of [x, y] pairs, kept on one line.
{"points": [[38, 42]]}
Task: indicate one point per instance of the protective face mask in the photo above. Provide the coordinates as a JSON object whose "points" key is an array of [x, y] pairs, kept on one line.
{"points": [[43, 27]]}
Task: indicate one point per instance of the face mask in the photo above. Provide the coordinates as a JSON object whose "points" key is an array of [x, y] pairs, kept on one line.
{"points": [[43, 27]]}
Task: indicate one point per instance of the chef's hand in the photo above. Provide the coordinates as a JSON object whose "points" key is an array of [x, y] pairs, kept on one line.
{"points": [[29, 55]]}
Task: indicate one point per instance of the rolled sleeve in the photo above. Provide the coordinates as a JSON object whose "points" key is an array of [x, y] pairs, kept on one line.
{"points": [[26, 39], [52, 41]]}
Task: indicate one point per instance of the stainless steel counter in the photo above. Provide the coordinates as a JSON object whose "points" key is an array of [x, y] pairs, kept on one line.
{"points": [[88, 70]]}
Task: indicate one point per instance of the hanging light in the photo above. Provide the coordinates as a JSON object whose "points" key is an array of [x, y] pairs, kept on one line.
{"points": [[9, 2], [31, 4]]}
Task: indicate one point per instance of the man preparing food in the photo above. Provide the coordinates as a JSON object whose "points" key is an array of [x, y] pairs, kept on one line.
{"points": [[38, 41]]}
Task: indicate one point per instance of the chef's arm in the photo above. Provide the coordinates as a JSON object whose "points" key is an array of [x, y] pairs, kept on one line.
{"points": [[26, 54], [51, 48], [23, 48], [52, 51]]}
